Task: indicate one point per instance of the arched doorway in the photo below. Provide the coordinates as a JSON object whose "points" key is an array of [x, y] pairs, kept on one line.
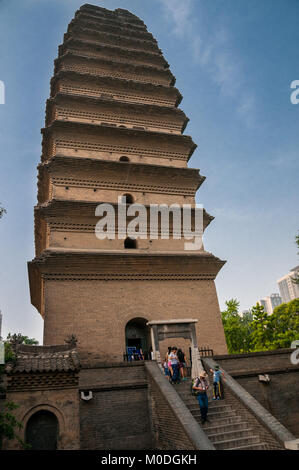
{"points": [[138, 336], [42, 431]]}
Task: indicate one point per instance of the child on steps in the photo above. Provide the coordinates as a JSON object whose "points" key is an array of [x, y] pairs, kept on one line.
{"points": [[218, 378]]}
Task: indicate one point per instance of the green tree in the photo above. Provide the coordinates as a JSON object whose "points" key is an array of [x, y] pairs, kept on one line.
{"points": [[261, 333], [284, 324], [18, 338], [237, 328], [277, 330], [258, 331], [9, 425]]}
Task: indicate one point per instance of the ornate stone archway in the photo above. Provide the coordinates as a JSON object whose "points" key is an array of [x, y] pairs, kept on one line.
{"points": [[178, 328]]}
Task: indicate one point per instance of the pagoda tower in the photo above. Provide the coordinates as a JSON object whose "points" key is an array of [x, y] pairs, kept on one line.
{"points": [[113, 129]]}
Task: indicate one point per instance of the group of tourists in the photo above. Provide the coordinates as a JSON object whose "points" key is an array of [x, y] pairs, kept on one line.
{"points": [[175, 365], [175, 369]]}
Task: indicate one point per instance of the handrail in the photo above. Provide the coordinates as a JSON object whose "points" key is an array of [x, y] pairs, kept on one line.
{"points": [[183, 415], [280, 432]]}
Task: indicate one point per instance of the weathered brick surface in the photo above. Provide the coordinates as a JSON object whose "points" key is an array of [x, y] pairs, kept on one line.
{"points": [[258, 361], [63, 403], [281, 395], [118, 415], [258, 430], [92, 310], [112, 374], [168, 432]]}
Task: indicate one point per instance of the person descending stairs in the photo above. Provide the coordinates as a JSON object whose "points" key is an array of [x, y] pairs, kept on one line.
{"points": [[225, 428]]}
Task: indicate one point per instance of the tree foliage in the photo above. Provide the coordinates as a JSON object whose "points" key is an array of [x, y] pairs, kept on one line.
{"points": [[237, 328], [18, 338], [284, 324], [259, 331], [260, 334], [9, 425]]}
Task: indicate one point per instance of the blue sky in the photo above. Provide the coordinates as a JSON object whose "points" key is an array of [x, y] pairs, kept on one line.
{"points": [[234, 62]]}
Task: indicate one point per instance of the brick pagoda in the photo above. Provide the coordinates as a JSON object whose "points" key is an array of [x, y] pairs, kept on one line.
{"points": [[113, 128]]}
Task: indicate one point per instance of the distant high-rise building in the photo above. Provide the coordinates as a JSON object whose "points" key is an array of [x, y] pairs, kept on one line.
{"points": [[270, 302], [288, 289], [263, 303]]}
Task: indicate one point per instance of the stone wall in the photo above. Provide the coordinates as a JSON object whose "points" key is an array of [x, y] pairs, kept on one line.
{"points": [[117, 417], [280, 396], [92, 309], [134, 407], [63, 403]]}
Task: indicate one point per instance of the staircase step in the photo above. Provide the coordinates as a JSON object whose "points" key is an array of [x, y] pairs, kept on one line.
{"points": [[193, 404], [215, 414], [220, 408], [222, 428], [228, 435], [220, 422], [225, 428], [261, 446], [230, 444]]}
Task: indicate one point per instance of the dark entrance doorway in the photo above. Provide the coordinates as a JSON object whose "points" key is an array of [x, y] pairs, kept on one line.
{"points": [[138, 336], [42, 431]]}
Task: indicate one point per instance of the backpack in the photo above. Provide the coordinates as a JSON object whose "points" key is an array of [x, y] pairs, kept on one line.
{"points": [[194, 392]]}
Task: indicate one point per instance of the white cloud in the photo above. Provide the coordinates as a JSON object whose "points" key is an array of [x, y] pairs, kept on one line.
{"points": [[213, 51], [179, 12]]}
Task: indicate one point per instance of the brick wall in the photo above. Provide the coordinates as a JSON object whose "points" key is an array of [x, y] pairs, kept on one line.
{"points": [[168, 433], [281, 395], [235, 363], [247, 416], [117, 417], [93, 309], [63, 403]]}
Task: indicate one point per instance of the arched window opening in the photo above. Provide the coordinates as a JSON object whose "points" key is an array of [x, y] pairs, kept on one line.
{"points": [[124, 159], [127, 199], [130, 243], [42, 431]]}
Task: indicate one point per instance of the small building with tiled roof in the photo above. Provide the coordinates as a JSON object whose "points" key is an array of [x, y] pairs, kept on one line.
{"points": [[43, 382]]}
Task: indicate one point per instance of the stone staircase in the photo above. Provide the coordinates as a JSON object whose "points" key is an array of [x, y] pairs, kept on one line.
{"points": [[225, 428]]}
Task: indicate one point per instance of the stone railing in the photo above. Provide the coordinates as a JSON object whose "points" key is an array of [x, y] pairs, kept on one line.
{"points": [[270, 424], [174, 427]]}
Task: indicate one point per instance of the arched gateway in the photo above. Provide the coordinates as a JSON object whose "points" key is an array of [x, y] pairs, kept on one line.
{"points": [[42, 431], [138, 335]]}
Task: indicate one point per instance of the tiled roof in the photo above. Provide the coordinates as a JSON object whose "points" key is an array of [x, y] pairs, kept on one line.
{"points": [[45, 359]]}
